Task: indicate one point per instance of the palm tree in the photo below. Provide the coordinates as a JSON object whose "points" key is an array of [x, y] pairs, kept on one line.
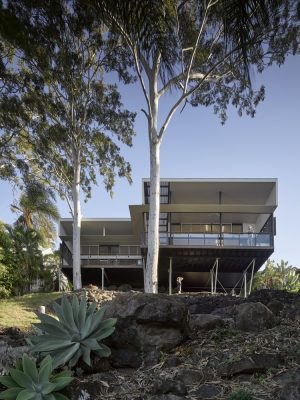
{"points": [[38, 211], [198, 51]]}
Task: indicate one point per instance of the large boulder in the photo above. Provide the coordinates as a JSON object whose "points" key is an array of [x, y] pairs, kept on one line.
{"points": [[147, 322], [254, 317], [205, 322], [249, 365]]}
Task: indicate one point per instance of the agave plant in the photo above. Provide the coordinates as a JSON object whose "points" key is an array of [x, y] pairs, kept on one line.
{"points": [[75, 333], [27, 382]]}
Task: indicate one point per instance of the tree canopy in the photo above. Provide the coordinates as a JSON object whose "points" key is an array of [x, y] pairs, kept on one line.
{"points": [[201, 53], [63, 112]]}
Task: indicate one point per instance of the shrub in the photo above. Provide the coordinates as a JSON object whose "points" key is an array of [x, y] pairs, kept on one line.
{"points": [[240, 394], [27, 382], [4, 293], [75, 334], [10, 356]]}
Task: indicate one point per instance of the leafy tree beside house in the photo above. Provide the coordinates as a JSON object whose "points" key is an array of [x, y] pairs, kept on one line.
{"points": [[22, 259], [280, 276], [37, 211], [68, 114], [202, 53]]}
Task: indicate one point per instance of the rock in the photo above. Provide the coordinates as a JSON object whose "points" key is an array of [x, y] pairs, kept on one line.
{"points": [[147, 322], [122, 358], [190, 376], [152, 358], [125, 287], [169, 386], [225, 312], [288, 377], [205, 322], [275, 306], [207, 391], [290, 391], [254, 317], [89, 387], [167, 397], [172, 361], [250, 365], [112, 287]]}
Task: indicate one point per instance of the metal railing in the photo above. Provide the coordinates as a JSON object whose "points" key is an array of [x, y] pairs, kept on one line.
{"points": [[112, 262], [217, 240], [112, 251]]}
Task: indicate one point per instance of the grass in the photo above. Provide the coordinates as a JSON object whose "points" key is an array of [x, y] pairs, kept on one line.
{"points": [[21, 311]]}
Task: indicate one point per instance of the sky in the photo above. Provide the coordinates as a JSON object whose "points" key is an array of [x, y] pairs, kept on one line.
{"points": [[196, 145]]}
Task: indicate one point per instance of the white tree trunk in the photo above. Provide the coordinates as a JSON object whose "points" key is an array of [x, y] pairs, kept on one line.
{"points": [[151, 273], [76, 222]]}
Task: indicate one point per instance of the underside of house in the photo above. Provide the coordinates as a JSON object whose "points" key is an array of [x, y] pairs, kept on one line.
{"points": [[214, 233]]}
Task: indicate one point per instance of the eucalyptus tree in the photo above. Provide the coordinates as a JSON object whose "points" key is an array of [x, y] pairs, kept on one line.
{"points": [[201, 52], [69, 117]]}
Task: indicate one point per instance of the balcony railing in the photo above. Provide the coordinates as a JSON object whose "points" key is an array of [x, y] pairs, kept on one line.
{"points": [[217, 240], [112, 251]]}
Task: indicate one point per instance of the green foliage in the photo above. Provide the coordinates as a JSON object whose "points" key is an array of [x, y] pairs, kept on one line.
{"points": [[240, 394], [21, 258], [27, 382], [76, 333], [57, 70], [37, 211], [280, 276], [22, 262]]}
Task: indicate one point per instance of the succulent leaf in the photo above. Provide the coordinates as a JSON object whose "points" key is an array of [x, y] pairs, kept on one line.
{"points": [[61, 357], [10, 394], [91, 309], [75, 334], [82, 314], [31, 383], [21, 379], [50, 396], [29, 368], [7, 381], [45, 361], [75, 308], [48, 388], [26, 394], [59, 396], [45, 372], [61, 382], [68, 314]]}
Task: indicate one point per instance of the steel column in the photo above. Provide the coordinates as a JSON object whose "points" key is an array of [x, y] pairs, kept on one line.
{"points": [[170, 276], [251, 279], [102, 278], [245, 284]]}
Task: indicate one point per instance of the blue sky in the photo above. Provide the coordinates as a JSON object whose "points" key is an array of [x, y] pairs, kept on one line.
{"points": [[196, 145]]}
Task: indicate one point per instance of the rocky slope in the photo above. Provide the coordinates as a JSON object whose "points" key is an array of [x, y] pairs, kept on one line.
{"points": [[198, 347]]}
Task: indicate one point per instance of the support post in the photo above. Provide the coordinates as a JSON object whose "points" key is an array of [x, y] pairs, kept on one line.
{"points": [[245, 284], [170, 276], [212, 281], [216, 275], [144, 272], [102, 279], [251, 279]]}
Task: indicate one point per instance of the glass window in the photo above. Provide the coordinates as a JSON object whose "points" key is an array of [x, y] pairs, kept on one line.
{"points": [[237, 228], [226, 228], [215, 228]]}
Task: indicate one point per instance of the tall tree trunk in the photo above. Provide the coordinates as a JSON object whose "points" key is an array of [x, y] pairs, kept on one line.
{"points": [[76, 222], [151, 273]]}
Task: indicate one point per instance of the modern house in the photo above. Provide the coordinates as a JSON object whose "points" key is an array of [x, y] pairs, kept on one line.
{"points": [[214, 233]]}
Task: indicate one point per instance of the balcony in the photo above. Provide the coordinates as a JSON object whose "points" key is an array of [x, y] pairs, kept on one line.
{"points": [[111, 256], [229, 240]]}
